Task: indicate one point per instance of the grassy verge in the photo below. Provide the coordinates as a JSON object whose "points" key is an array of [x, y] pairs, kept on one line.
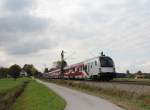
{"points": [[10, 89], [38, 97], [8, 83], [125, 99]]}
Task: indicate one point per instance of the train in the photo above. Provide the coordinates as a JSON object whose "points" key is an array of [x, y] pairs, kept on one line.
{"points": [[101, 68]]}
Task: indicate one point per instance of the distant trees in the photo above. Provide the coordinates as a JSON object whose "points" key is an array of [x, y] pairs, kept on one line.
{"points": [[14, 71], [139, 72], [46, 70], [133, 75], [3, 72], [58, 64], [147, 76], [129, 75], [30, 69], [127, 72]]}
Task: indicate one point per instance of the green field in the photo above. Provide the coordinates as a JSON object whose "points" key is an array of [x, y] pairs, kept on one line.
{"points": [[38, 97], [9, 83], [10, 89], [34, 96]]}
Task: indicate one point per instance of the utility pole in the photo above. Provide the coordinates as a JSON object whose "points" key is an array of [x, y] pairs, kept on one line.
{"points": [[62, 64], [102, 53]]}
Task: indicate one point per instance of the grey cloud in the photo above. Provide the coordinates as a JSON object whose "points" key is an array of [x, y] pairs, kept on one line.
{"points": [[18, 25], [17, 5], [29, 47], [24, 44], [21, 23]]}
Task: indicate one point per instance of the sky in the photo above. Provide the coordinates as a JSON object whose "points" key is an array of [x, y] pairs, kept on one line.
{"points": [[35, 32]]}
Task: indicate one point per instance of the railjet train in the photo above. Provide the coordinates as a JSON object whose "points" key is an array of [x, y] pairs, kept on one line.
{"points": [[97, 68]]}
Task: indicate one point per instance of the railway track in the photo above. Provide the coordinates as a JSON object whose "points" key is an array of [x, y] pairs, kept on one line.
{"points": [[129, 86], [132, 82], [147, 83]]}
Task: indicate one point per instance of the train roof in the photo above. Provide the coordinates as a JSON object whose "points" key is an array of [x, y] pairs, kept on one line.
{"points": [[55, 70], [79, 64], [75, 65]]}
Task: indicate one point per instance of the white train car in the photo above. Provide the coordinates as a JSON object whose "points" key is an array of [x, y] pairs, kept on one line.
{"points": [[97, 68], [101, 67]]}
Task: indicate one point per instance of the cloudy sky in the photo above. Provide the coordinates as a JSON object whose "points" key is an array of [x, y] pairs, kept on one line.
{"points": [[35, 31]]}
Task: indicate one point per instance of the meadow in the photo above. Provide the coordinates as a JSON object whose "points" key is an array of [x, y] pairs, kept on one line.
{"points": [[10, 89], [38, 97], [27, 94]]}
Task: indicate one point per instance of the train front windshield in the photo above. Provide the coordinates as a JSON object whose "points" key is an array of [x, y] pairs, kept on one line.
{"points": [[106, 62]]}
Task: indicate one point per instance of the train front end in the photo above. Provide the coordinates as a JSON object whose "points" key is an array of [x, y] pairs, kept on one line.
{"points": [[107, 68]]}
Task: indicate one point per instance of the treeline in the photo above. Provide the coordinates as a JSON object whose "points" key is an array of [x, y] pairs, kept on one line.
{"points": [[16, 71], [133, 75]]}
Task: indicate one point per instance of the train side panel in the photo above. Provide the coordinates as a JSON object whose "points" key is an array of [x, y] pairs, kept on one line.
{"points": [[101, 68]]}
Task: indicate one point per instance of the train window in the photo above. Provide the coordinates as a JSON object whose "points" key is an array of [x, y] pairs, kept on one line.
{"points": [[81, 68], [73, 69], [106, 62], [88, 69], [85, 67], [95, 63]]}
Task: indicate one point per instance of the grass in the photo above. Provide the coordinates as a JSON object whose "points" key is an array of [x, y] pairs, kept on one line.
{"points": [[20, 95], [6, 84], [125, 99], [10, 89], [38, 97]]}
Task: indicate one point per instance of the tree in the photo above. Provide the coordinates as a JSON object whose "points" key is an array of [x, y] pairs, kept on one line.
{"points": [[139, 72], [129, 75], [128, 72], [58, 64], [3, 72], [15, 70], [30, 69], [46, 70]]}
